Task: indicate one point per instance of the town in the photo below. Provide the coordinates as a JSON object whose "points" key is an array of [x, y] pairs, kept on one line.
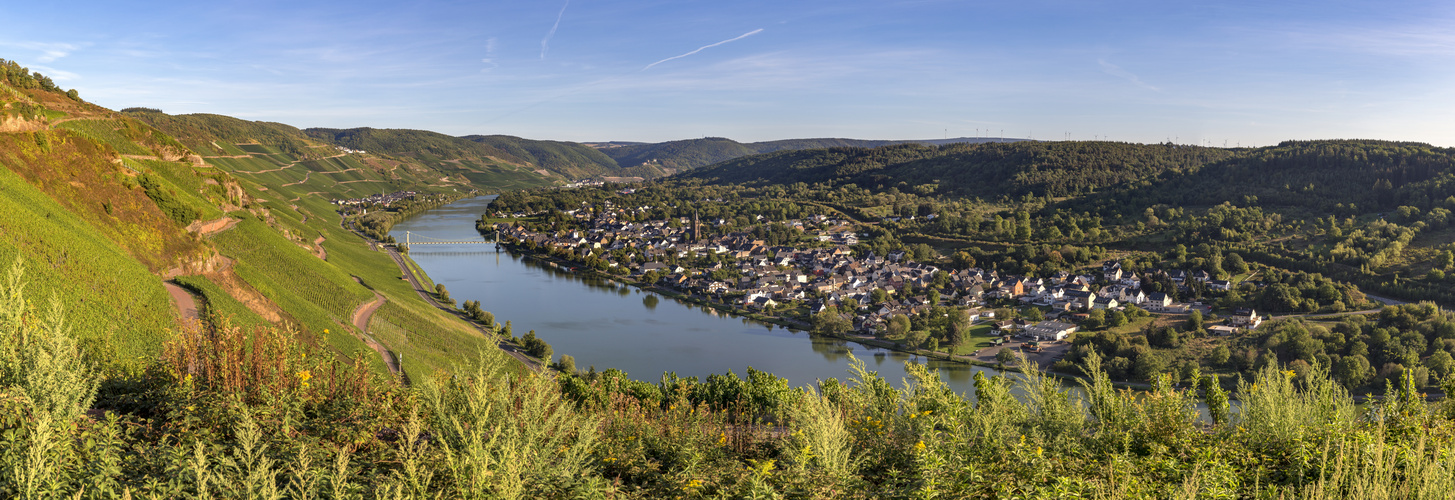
{"points": [[822, 273]]}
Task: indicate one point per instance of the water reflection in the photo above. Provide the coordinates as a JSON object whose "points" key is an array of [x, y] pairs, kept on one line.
{"points": [[600, 323], [833, 350]]}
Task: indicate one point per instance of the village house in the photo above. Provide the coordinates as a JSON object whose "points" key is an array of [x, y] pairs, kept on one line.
{"points": [[1050, 330], [1244, 318]]}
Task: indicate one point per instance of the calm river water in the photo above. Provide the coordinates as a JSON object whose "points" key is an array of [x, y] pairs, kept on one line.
{"points": [[606, 325]]}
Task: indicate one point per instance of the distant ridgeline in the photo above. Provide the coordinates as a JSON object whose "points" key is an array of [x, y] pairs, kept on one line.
{"points": [[688, 154], [1317, 174]]}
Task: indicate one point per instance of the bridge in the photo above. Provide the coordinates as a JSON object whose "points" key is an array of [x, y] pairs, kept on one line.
{"points": [[409, 241]]}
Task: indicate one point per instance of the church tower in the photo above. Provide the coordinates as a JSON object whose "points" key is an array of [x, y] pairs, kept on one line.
{"points": [[696, 232]]}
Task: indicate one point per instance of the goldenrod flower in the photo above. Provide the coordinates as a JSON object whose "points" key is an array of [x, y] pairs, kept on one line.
{"points": [[919, 447]]}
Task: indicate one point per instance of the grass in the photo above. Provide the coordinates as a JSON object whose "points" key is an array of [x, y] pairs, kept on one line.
{"points": [[318, 295], [121, 308], [979, 338], [222, 307], [109, 132]]}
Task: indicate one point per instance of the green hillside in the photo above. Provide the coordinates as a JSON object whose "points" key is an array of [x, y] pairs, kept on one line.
{"points": [[213, 135], [496, 160], [101, 207], [568, 159]]}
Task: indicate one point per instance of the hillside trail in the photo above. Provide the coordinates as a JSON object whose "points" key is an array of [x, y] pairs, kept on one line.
{"points": [[362, 315], [318, 248], [306, 175], [186, 304], [209, 228]]}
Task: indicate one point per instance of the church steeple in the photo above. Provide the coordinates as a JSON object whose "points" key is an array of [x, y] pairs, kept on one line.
{"points": [[696, 231]]}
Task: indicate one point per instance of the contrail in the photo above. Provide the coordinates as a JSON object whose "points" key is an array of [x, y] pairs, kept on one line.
{"points": [[705, 47], [546, 42]]}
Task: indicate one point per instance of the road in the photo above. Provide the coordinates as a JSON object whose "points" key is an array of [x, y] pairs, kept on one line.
{"points": [[418, 288]]}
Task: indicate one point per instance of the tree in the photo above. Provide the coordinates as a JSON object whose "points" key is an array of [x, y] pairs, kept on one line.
{"points": [[963, 260], [444, 294], [1116, 319], [1095, 320], [1352, 370], [567, 364], [958, 328], [1194, 322], [1440, 363], [831, 322], [1034, 314], [1004, 357], [1220, 356], [916, 338], [1148, 366], [898, 326], [1234, 262]]}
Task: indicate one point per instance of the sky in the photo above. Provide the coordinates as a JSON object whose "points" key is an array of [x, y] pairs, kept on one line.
{"points": [[1218, 73]]}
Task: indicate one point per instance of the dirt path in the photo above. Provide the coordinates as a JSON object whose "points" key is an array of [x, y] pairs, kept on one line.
{"points": [[290, 165], [318, 248], [306, 175], [186, 303], [209, 228], [362, 315]]}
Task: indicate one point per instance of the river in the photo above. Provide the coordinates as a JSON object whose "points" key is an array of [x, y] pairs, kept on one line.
{"points": [[607, 325]]}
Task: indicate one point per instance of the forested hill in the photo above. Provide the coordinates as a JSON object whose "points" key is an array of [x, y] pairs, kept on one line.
{"points": [[1327, 174], [985, 170], [693, 153]]}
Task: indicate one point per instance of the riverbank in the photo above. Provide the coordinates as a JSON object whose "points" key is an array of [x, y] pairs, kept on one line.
{"points": [[576, 268]]}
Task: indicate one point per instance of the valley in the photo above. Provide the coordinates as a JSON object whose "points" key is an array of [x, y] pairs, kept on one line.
{"points": [[199, 306]]}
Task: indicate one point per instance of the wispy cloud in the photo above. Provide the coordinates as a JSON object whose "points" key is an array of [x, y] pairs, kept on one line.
{"points": [[1117, 71], [705, 47], [56, 74], [489, 58], [546, 42], [49, 52]]}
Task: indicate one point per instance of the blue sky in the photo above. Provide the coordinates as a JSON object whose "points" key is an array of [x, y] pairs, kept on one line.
{"points": [[1249, 73]]}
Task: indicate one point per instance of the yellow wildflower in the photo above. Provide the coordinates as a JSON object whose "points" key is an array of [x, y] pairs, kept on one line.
{"points": [[919, 447], [1038, 451], [722, 439]]}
